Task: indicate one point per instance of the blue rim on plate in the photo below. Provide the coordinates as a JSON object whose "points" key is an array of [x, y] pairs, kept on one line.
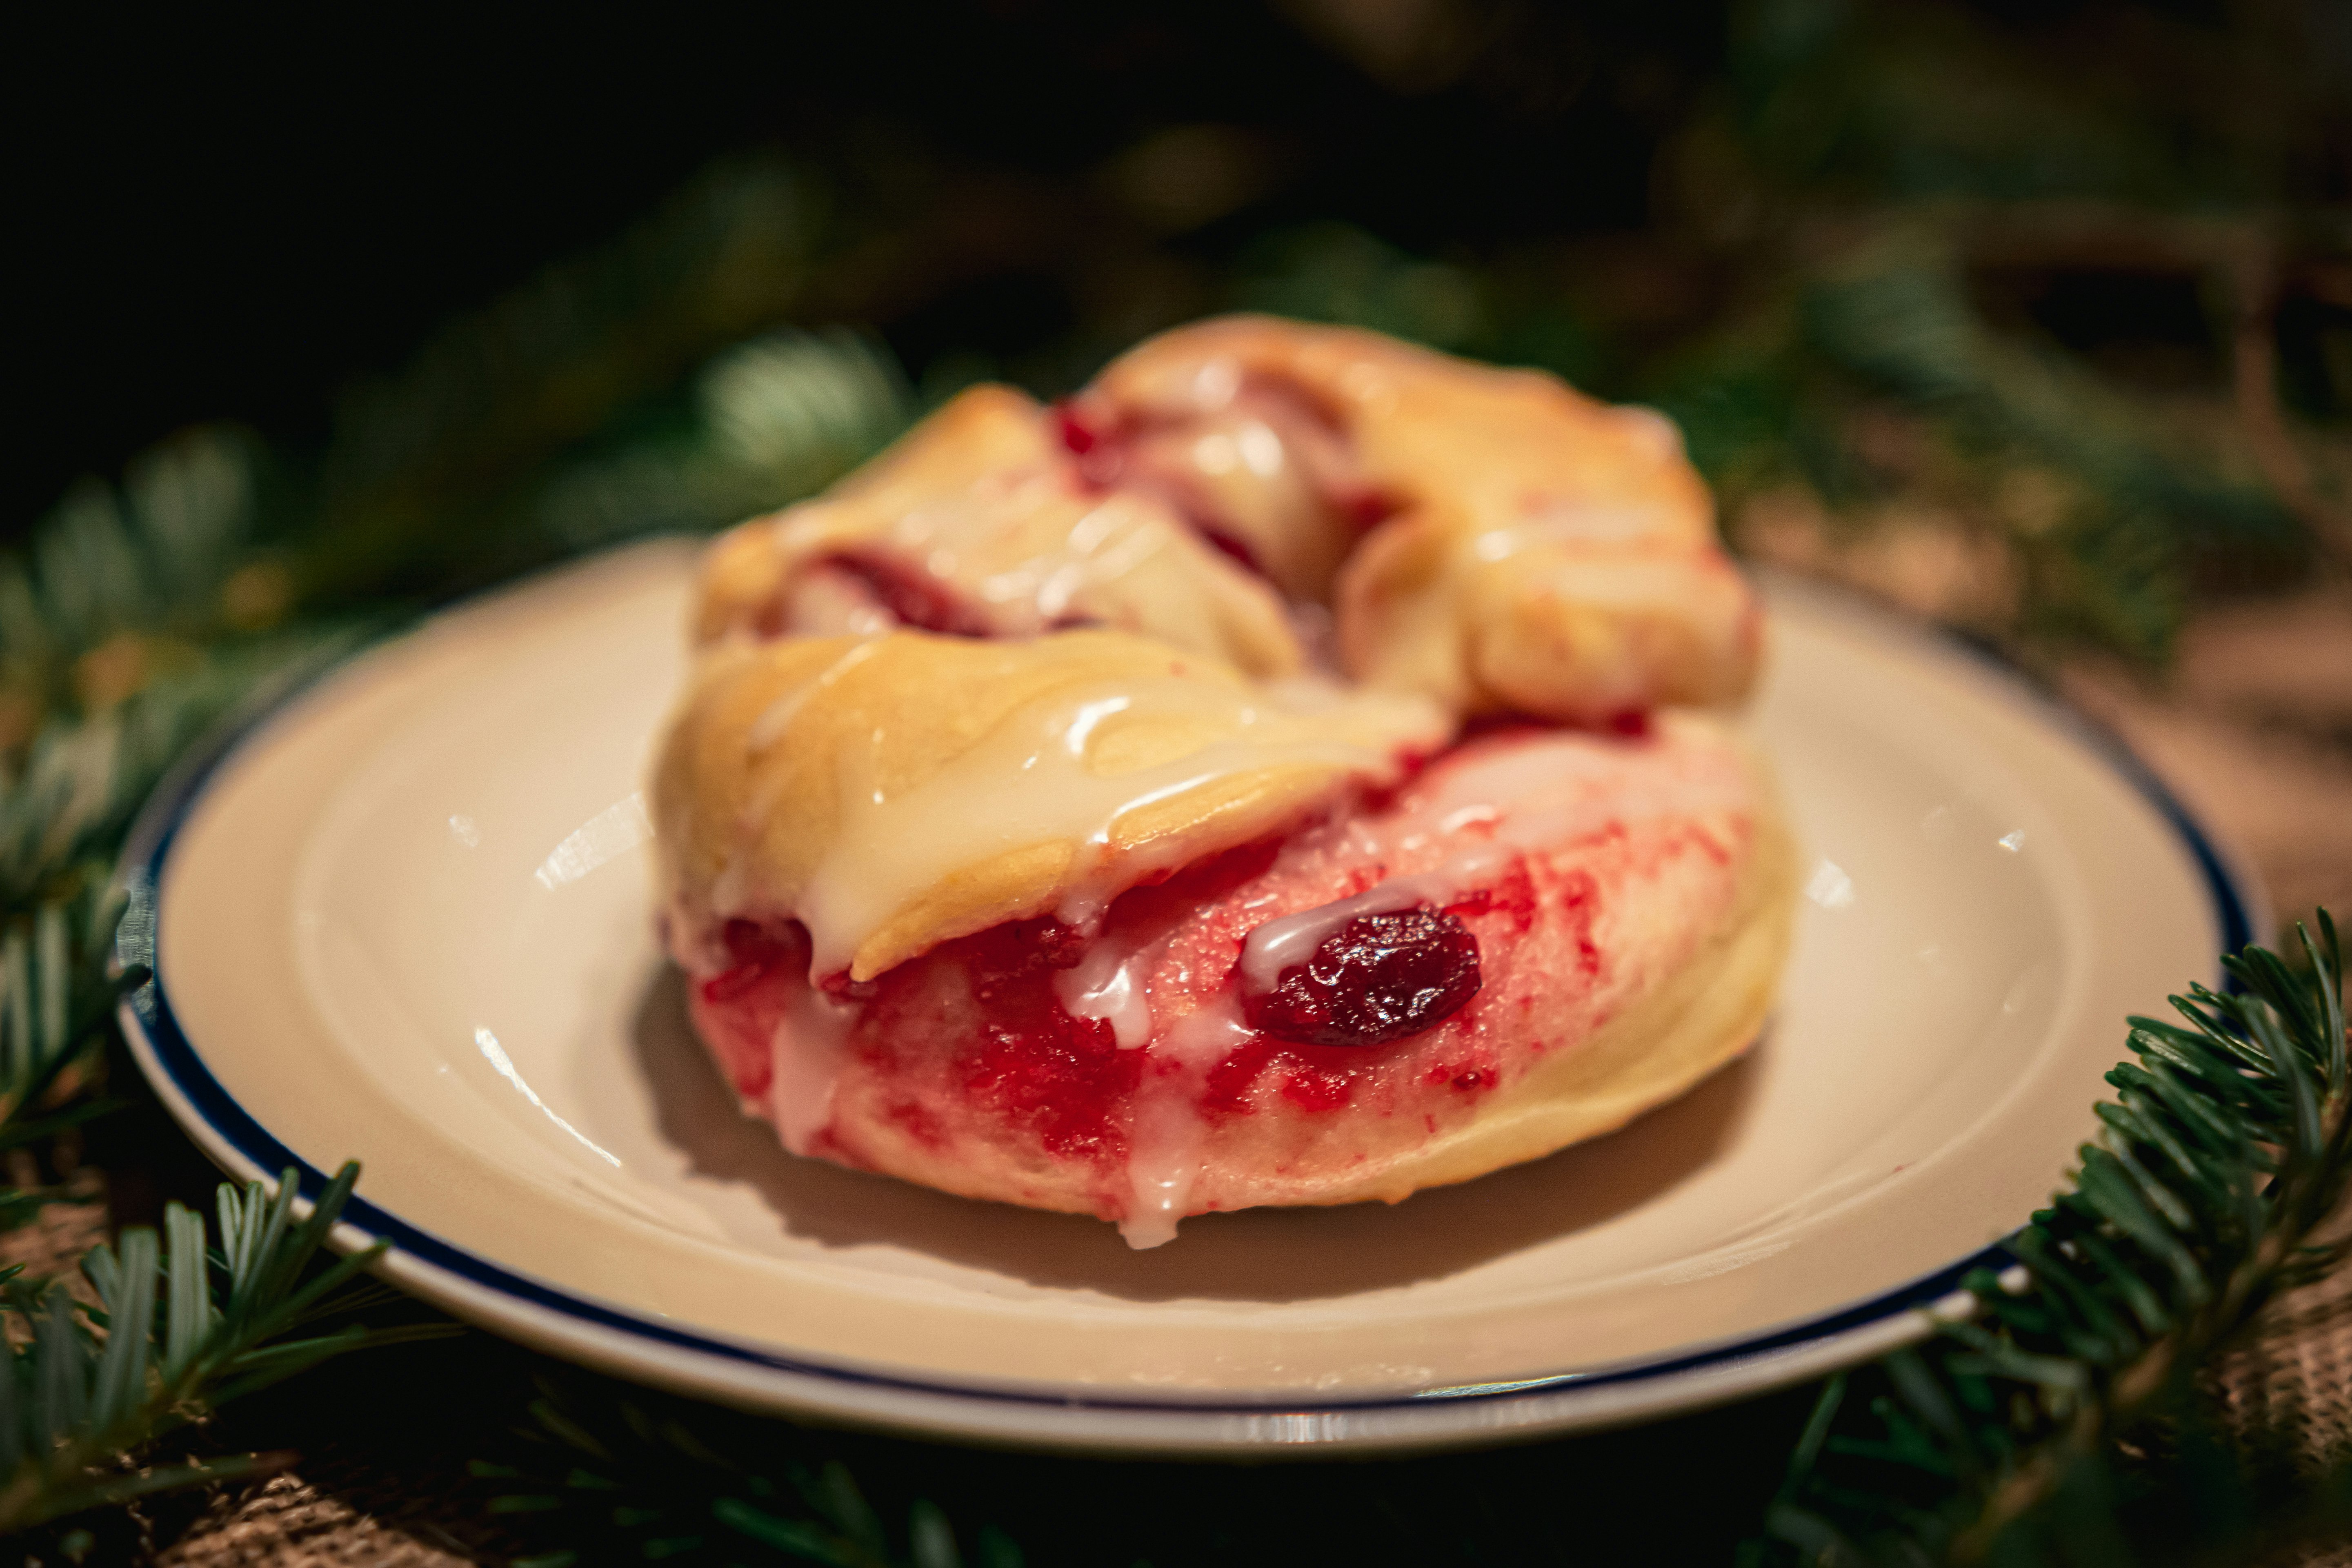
{"points": [[589, 1331]]}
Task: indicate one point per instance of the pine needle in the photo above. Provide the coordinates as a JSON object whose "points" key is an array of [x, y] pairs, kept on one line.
{"points": [[178, 1330], [2138, 1275]]}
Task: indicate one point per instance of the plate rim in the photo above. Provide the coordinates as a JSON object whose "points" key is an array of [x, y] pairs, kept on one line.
{"points": [[579, 1327]]}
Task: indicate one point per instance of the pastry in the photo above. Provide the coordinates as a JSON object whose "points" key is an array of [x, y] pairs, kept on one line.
{"points": [[1281, 774]]}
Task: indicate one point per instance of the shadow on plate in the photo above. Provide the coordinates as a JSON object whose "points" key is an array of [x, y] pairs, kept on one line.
{"points": [[1258, 1255]]}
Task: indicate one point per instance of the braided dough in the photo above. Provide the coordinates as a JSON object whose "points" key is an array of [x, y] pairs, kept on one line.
{"points": [[1070, 809]]}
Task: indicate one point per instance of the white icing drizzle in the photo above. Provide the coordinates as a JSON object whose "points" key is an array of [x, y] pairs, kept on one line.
{"points": [[731, 889], [1109, 984], [1217, 382], [1165, 1138], [1659, 436], [1541, 796], [1028, 781], [1105, 545], [778, 716], [1588, 770], [964, 540], [826, 602], [807, 1051], [1281, 943], [1112, 980], [1567, 520]]}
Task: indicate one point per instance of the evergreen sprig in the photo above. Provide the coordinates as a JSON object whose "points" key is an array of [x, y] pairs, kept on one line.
{"points": [[2009, 1437], [150, 558], [2053, 1420], [635, 1486], [178, 1328], [130, 624], [139, 615], [432, 476], [771, 421]]}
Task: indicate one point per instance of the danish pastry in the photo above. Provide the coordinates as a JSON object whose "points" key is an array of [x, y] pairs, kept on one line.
{"points": [[1277, 775]]}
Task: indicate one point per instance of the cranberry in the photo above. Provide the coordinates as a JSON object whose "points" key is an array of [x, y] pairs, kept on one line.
{"points": [[1077, 434], [1230, 546], [753, 953], [1065, 1079], [1366, 506], [1376, 979], [1097, 454]]}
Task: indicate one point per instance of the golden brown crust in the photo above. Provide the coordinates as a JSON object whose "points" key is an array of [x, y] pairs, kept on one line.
{"points": [[1549, 554], [1693, 912], [1543, 554], [875, 788], [979, 503], [1119, 703]]}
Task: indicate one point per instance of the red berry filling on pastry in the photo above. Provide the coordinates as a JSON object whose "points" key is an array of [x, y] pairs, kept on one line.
{"points": [[1272, 888], [1377, 978]]}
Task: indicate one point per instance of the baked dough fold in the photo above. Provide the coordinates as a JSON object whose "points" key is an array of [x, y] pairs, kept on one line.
{"points": [[1531, 549], [895, 791], [978, 515]]}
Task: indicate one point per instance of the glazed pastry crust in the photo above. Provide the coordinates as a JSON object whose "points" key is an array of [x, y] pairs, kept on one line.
{"points": [[1701, 1014], [778, 778], [1127, 698], [981, 500], [1696, 916], [1549, 554]]}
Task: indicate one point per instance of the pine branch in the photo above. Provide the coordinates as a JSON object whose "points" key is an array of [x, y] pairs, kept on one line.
{"points": [[2229, 1144], [773, 420], [628, 1485], [1864, 379], [62, 813], [429, 472], [128, 628], [121, 582], [179, 1329]]}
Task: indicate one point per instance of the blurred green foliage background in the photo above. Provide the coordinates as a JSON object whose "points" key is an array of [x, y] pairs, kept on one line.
{"points": [[2037, 318]]}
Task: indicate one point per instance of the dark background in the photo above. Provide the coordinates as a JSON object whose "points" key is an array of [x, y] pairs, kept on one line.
{"points": [[226, 216], [236, 217]]}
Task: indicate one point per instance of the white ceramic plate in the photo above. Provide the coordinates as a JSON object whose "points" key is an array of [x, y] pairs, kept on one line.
{"points": [[403, 918]]}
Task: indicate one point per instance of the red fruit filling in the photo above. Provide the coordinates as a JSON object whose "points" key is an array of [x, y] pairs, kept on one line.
{"points": [[1365, 506], [1229, 546], [739, 1009], [1376, 979], [753, 955], [913, 598], [1062, 1079], [1100, 460], [1310, 1080], [1078, 435]]}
